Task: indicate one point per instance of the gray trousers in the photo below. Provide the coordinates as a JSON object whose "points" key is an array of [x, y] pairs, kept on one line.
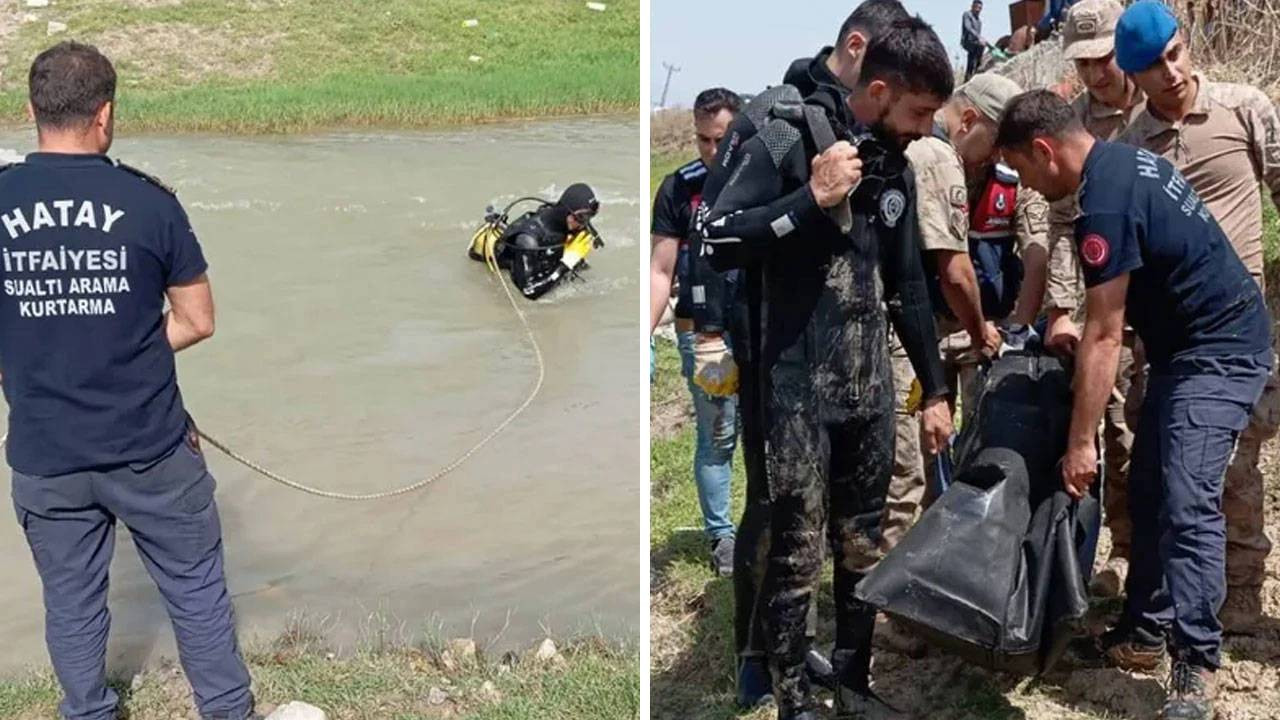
{"points": [[167, 504]]}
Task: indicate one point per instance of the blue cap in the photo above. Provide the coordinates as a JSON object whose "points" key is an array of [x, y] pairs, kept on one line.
{"points": [[1142, 34]]}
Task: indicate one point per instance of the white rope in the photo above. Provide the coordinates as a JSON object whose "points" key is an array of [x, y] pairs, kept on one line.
{"points": [[453, 465]]}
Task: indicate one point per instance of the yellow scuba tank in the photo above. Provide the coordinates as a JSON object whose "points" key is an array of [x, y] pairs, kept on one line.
{"points": [[484, 243]]}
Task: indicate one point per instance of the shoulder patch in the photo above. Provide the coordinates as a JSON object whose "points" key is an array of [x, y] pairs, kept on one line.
{"points": [[145, 176], [692, 171], [1094, 250]]}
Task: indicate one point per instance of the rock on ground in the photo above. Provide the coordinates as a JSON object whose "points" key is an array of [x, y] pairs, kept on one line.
{"points": [[297, 711], [546, 651]]}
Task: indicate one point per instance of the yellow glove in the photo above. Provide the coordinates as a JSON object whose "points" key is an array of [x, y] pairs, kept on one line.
{"points": [[914, 396], [713, 367], [576, 249]]}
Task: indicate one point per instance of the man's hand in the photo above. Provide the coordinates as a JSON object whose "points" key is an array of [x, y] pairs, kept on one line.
{"points": [[1079, 469], [1063, 335], [835, 174], [935, 424], [713, 367], [991, 340]]}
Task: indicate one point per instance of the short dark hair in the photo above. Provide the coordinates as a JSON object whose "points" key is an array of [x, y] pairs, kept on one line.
{"points": [[712, 100], [1037, 113], [69, 83], [872, 18], [909, 55]]}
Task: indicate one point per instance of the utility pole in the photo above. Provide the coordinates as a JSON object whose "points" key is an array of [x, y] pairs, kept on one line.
{"points": [[671, 70]]}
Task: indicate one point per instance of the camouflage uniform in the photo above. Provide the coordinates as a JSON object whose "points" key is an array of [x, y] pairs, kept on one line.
{"points": [[826, 393], [1225, 147], [941, 207], [1064, 291], [943, 200], [907, 487], [959, 359]]}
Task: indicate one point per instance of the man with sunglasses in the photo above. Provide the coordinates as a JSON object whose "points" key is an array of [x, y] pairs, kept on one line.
{"points": [[533, 249], [836, 241], [1110, 102]]}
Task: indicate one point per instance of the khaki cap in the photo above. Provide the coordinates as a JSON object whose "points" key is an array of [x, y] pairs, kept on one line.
{"points": [[1090, 29], [990, 93]]}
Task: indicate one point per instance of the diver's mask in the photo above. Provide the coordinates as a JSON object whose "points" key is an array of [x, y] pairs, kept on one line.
{"points": [[584, 216], [882, 162]]}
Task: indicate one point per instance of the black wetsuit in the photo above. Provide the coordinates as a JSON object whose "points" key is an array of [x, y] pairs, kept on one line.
{"points": [[725, 303], [531, 249], [816, 347]]}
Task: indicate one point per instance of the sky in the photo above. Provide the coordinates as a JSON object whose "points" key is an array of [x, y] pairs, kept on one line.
{"points": [[747, 44]]}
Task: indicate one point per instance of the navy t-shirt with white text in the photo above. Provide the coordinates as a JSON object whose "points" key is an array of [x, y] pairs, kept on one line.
{"points": [[1189, 295], [87, 251]]}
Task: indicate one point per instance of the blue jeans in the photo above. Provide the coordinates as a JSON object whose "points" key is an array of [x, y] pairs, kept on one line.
{"points": [[1191, 416], [717, 423], [167, 504]]}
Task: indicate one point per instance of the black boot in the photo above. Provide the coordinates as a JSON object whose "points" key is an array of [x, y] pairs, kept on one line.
{"points": [[791, 687], [854, 697], [755, 684], [819, 670], [1192, 690]]}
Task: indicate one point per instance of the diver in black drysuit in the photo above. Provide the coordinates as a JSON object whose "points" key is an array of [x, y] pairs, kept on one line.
{"points": [[812, 349], [730, 301], [532, 247]]}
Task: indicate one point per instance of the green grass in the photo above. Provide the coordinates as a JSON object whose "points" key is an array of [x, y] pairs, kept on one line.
{"points": [[662, 165], [272, 66], [592, 678]]}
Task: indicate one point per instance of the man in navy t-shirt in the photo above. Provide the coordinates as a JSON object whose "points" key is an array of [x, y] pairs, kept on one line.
{"points": [[89, 252], [1153, 255]]}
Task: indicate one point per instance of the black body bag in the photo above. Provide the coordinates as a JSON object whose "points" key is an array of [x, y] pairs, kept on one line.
{"points": [[997, 569]]}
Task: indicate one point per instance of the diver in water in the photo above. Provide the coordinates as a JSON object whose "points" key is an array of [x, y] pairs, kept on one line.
{"points": [[543, 246]]}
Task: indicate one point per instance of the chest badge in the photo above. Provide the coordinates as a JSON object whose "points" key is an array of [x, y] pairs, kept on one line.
{"points": [[1001, 203], [892, 203]]}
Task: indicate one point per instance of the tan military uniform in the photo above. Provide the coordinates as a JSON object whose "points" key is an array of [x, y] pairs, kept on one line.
{"points": [[943, 198], [1065, 287], [1226, 146], [1031, 227]]}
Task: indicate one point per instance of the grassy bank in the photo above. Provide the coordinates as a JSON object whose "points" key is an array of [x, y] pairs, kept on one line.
{"points": [[586, 678], [286, 65]]}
